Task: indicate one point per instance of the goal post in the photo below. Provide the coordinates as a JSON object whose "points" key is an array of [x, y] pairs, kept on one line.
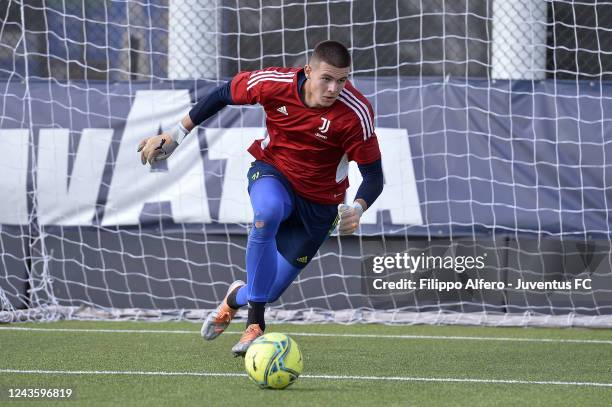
{"points": [[492, 118]]}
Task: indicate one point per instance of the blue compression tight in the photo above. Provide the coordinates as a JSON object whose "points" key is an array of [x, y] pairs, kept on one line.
{"points": [[268, 273]]}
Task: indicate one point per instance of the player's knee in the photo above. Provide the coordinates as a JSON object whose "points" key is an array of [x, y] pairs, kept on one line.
{"points": [[274, 295], [265, 220], [273, 298], [268, 217], [265, 227]]}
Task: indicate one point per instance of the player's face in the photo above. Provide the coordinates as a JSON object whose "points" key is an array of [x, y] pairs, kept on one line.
{"points": [[325, 82]]}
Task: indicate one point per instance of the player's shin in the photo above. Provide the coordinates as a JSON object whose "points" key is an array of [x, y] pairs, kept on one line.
{"points": [[285, 274], [256, 314]]}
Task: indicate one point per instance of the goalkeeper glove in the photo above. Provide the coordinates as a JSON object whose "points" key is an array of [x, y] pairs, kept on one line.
{"points": [[349, 218], [160, 147]]}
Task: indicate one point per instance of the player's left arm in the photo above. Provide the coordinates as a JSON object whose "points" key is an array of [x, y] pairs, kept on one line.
{"points": [[361, 146], [371, 187]]}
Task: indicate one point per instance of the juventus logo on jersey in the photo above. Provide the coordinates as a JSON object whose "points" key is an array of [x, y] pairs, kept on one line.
{"points": [[325, 126]]}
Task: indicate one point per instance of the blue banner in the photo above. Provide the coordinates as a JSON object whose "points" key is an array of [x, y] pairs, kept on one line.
{"points": [[460, 157]]}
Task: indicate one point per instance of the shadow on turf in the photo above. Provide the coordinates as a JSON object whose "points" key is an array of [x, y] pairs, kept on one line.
{"points": [[299, 389]]}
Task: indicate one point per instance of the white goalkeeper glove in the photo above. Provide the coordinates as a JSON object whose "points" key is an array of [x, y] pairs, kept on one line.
{"points": [[160, 147], [349, 218]]}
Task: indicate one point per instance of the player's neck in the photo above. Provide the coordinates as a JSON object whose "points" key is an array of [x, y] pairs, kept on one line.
{"points": [[306, 97], [304, 94]]}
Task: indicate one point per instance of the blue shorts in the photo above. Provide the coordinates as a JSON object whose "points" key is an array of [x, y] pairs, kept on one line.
{"points": [[301, 235]]}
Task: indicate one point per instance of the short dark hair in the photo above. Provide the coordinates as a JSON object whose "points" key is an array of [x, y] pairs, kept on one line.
{"points": [[332, 52]]}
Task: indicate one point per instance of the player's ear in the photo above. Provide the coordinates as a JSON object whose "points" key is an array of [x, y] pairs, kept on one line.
{"points": [[307, 71]]}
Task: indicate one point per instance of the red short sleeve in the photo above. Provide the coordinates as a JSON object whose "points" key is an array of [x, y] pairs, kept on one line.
{"points": [[242, 94], [360, 143], [249, 88], [359, 150]]}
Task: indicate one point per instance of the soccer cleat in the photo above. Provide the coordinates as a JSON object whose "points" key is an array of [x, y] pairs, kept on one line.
{"points": [[218, 320], [252, 332]]}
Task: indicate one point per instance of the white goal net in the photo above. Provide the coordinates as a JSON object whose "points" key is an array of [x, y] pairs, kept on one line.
{"points": [[493, 119]]}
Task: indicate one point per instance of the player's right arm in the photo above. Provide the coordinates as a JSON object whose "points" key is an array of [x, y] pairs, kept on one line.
{"points": [[242, 89], [161, 146]]}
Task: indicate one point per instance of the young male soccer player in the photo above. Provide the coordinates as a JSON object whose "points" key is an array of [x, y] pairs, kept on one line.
{"points": [[317, 122]]}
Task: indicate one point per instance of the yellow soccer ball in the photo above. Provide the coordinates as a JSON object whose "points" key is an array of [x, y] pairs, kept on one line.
{"points": [[274, 361]]}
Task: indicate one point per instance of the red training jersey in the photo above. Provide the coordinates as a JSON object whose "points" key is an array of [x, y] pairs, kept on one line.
{"points": [[311, 147]]}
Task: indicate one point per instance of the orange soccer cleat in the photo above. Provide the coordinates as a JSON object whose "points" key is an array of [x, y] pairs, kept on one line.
{"points": [[218, 320], [252, 332]]}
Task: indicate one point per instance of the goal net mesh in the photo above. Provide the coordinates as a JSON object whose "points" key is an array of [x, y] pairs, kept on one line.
{"points": [[493, 120]]}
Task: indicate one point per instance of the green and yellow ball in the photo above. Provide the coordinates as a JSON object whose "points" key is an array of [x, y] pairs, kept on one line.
{"points": [[274, 361]]}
